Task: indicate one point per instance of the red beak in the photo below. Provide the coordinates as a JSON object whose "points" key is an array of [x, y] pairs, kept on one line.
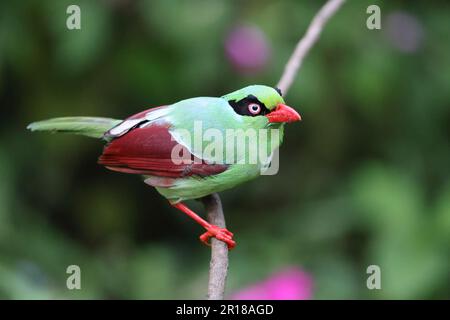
{"points": [[283, 113]]}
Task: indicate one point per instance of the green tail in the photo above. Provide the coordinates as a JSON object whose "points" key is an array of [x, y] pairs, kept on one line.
{"points": [[88, 126]]}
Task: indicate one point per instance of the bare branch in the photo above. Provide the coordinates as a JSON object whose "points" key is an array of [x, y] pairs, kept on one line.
{"points": [[218, 267], [306, 43]]}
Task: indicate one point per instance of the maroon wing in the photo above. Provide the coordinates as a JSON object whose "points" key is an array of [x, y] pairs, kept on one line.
{"points": [[147, 150]]}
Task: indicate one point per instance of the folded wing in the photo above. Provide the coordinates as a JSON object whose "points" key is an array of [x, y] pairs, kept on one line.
{"points": [[146, 147]]}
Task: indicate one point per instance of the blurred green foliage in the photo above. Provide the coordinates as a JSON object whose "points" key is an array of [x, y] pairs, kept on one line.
{"points": [[364, 179]]}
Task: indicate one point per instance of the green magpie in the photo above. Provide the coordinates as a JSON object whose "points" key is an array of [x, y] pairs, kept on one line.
{"points": [[144, 144]]}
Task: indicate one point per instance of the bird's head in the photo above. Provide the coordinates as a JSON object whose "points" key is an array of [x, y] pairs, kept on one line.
{"points": [[262, 101]]}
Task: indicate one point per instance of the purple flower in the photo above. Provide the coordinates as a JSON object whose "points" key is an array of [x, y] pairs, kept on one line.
{"points": [[288, 284], [247, 49], [404, 31]]}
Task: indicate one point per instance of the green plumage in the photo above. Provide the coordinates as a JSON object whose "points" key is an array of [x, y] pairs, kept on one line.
{"points": [[93, 127], [212, 115], [225, 141], [267, 95]]}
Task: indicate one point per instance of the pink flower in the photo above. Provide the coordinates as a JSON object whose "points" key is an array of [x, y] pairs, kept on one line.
{"points": [[247, 49], [288, 284], [405, 32]]}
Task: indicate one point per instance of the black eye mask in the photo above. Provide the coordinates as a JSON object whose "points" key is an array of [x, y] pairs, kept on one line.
{"points": [[241, 106]]}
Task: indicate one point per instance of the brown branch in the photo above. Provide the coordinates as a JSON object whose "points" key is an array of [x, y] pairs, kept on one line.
{"points": [[305, 44], [218, 268]]}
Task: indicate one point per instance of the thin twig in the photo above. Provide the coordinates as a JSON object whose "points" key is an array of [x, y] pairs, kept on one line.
{"points": [[305, 44], [218, 268]]}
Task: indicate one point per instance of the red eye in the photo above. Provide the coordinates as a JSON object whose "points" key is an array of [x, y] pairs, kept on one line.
{"points": [[254, 108]]}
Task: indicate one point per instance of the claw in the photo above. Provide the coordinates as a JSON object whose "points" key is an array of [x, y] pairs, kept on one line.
{"points": [[221, 234]]}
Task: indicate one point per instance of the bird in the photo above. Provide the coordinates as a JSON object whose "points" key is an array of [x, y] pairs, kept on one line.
{"points": [[150, 143]]}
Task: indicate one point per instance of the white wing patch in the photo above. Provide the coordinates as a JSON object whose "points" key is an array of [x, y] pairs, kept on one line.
{"points": [[157, 114], [148, 119], [124, 127]]}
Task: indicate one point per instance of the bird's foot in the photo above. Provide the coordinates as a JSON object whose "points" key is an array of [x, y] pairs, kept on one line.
{"points": [[221, 234]]}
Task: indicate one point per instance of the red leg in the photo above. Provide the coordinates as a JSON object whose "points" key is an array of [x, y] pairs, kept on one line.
{"points": [[221, 234]]}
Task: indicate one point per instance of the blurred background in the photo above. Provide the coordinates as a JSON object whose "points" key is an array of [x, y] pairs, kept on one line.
{"points": [[363, 180]]}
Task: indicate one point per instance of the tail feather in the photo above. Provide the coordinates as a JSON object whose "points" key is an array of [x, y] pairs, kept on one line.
{"points": [[94, 127]]}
